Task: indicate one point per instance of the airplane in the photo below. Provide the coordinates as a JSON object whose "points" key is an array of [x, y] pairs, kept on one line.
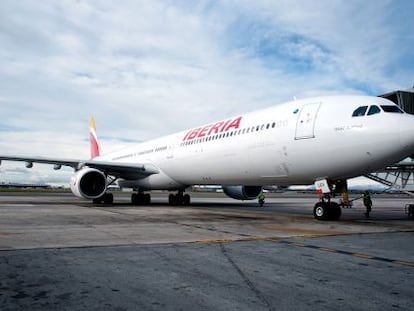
{"points": [[321, 140]]}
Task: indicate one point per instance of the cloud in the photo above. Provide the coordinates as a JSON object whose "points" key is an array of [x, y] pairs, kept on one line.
{"points": [[149, 68]]}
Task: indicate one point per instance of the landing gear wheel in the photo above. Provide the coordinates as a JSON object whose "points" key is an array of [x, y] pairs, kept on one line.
{"points": [[327, 211], [335, 211], [140, 198], [134, 199], [147, 198], [171, 199], [97, 200], [320, 211], [108, 198], [186, 199], [179, 199]]}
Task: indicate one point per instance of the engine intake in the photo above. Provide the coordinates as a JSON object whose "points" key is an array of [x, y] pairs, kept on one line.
{"points": [[88, 183], [242, 192]]}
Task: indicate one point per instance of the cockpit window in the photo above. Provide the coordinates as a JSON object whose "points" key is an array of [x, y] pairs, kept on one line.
{"points": [[373, 110], [391, 108], [360, 111]]}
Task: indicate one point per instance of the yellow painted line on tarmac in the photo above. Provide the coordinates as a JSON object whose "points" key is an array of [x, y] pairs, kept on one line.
{"points": [[302, 230], [358, 255], [214, 241], [365, 256], [324, 249], [297, 244], [404, 263], [256, 238], [248, 239]]}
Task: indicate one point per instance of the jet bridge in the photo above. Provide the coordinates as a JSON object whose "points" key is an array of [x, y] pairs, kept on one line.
{"points": [[404, 99], [399, 176]]}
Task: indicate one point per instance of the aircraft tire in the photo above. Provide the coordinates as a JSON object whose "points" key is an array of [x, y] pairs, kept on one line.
{"points": [[327, 211], [320, 211], [186, 199], [171, 199], [335, 211], [108, 198], [97, 200], [134, 199], [147, 198]]}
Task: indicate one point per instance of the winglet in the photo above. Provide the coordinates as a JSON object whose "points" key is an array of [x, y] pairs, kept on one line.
{"points": [[93, 139]]}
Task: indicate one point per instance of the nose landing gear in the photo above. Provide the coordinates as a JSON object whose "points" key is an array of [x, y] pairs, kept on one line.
{"points": [[326, 209], [140, 198]]}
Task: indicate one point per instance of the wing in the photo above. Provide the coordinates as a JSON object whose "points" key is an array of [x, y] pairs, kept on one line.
{"points": [[129, 171]]}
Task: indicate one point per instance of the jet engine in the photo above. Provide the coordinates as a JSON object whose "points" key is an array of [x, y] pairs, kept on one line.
{"points": [[242, 192], [88, 183]]}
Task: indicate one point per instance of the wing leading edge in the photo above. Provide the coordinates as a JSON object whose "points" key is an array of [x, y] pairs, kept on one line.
{"points": [[128, 171]]}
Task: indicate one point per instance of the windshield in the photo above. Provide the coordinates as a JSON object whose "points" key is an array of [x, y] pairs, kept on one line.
{"points": [[360, 111], [391, 108], [373, 110]]}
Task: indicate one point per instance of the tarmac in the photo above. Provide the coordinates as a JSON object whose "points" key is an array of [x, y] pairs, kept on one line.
{"points": [[59, 252]]}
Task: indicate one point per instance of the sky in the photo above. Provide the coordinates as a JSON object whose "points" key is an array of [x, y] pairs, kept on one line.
{"points": [[144, 69]]}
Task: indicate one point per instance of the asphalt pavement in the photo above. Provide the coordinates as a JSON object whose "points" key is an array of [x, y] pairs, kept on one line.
{"points": [[61, 253]]}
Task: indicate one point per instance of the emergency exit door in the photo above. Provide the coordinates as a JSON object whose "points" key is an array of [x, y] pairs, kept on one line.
{"points": [[305, 126]]}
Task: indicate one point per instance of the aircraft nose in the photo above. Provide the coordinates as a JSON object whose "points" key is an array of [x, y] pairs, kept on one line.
{"points": [[407, 133]]}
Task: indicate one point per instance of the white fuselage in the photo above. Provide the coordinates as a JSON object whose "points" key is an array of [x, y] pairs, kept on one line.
{"points": [[292, 143]]}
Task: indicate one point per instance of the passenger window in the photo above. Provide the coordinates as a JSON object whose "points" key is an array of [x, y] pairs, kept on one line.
{"points": [[360, 111], [373, 110]]}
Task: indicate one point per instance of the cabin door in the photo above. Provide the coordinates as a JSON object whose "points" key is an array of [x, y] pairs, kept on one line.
{"points": [[305, 126]]}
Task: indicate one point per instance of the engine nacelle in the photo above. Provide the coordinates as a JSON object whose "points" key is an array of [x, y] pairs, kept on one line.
{"points": [[242, 192], [88, 183]]}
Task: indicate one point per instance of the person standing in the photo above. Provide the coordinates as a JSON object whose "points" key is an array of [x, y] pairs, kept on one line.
{"points": [[367, 203], [261, 198]]}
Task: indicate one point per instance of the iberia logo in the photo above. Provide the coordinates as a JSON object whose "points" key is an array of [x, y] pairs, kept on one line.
{"points": [[211, 129]]}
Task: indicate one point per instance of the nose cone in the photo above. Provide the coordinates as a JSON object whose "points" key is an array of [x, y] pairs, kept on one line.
{"points": [[407, 134]]}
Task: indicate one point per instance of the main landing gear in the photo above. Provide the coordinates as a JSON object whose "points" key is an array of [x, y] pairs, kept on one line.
{"points": [[106, 198], [179, 199], [140, 198]]}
